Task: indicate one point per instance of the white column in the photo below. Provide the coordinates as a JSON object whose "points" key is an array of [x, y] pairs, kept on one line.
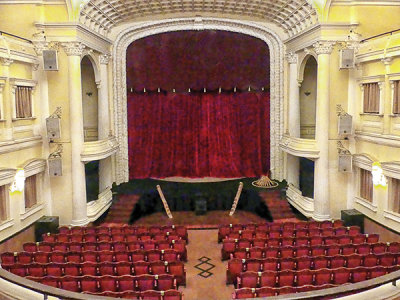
{"points": [[7, 114], [321, 173], [105, 165], [294, 102], [74, 51], [293, 163]]}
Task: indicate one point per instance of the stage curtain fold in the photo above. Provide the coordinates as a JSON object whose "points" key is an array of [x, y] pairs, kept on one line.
{"points": [[195, 135]]}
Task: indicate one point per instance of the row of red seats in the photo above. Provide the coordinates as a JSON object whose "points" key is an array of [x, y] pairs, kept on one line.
{"points": [[230, 245], [98, 269], [246, 293], [89, 237], [311, 277], [146, 295], [94, 284], [126, 229], [294, 251], [223, 230], [236, 266], [179, 246], [250, 234], [93, 256]]}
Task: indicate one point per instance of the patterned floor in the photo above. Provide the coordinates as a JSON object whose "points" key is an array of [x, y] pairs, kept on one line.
{"points": [[205, 267]]}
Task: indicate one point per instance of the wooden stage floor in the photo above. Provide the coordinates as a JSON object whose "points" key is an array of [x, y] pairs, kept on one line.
{"points": [[212, 219]]}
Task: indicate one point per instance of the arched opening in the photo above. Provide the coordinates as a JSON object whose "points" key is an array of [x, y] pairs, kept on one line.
{"points": [[308, 97], [89, 100]]}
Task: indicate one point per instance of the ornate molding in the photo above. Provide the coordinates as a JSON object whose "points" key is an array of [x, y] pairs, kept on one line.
{"points": [[299, 147], [129, 35], [97, 207], [97, 150], [304, 204], [292, 58], [6, 61], [323, 47], [104, 59], [73, 48]]}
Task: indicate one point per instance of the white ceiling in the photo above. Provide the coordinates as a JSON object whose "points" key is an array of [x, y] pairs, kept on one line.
{"points": [[291, 15]]}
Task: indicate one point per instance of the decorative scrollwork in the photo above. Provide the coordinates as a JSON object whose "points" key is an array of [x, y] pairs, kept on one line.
{"points": [[56, 113], [57, 153], [341, 149]]}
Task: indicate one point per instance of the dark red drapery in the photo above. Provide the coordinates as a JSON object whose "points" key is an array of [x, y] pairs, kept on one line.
{"points": [[198, 135], [197, 59]]}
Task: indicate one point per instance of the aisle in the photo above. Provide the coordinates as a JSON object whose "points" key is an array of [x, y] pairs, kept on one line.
{"points": [[203, 245]]}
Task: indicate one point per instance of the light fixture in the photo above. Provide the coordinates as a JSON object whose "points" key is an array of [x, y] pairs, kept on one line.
{"points": [[19, 182], [377, 175]]}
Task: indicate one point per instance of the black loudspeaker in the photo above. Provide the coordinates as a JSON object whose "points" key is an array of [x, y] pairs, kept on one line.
{"points": [[55, 166], [44, 225], [53, 126], [50, 61], [352, 217]]}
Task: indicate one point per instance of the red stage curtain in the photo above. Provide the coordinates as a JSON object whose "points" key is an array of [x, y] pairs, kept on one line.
{"points": [[197, 59], [198, 135]]}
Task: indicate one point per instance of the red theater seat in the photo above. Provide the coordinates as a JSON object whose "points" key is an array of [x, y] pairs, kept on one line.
{"points": [[337, 261], [304, 263], [353, 260], [235, 267], [69, 283], [126, 283], [89, 284], [248, 279], [270, 264], [268, 279], [107, 283], [359, 274], [244, 293], [341, 275], [145, 282], [304, 277], [141, 267], [165, 282], [322, 276], [158, 267], [286, 278], [253, 265], [106, 268], [89, 268], [177, 269], [72, 269]]}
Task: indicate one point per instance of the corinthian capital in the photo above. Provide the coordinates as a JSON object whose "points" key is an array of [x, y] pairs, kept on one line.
{"points": [[291, 58], [323, 47], [104, 59], [73, 48]]}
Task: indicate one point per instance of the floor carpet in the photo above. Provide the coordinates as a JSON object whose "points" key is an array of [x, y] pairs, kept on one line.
{"points": [[205, 272]]}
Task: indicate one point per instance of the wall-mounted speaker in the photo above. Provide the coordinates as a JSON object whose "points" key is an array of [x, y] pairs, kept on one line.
{"points": [[50, 61], [53, 126], [345, 163], [55, 166], [345, 124], [347, 58]]}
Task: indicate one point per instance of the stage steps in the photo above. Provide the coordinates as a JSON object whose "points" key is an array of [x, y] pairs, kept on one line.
{"points": [[279, 208], [120, 211]]}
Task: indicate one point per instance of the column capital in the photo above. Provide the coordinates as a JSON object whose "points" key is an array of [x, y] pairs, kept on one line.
{"points": [[98, 84], [6, 61], [387, 61], [73, 48], [323, 47], [292, 58], [104, 59]]}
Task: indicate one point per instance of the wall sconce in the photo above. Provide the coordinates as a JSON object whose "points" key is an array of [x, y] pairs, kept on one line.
{"points": [[89, 94], [377, 175], [307, 93], [19, 182]]}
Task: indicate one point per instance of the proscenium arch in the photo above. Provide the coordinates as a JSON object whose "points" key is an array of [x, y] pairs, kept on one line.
{"points": [[129, 35]]}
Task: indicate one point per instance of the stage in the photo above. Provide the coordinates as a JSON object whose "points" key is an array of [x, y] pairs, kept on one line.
{"points": [[139, 203]]}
